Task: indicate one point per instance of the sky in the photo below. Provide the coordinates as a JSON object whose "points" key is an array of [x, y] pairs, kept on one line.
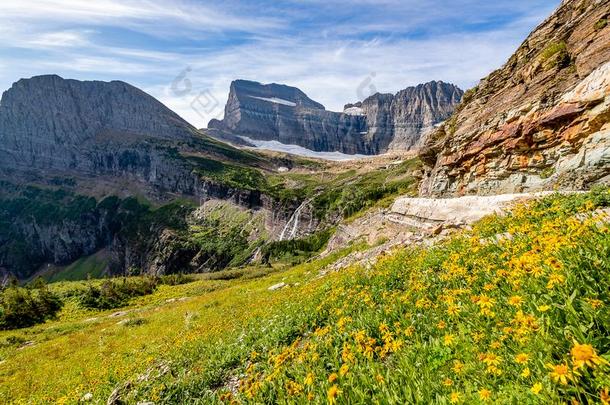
{"points": [[187, 52]]}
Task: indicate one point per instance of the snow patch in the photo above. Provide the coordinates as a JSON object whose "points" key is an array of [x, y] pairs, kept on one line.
{"points": [[300, 151], [354, 111], [276, 100]]}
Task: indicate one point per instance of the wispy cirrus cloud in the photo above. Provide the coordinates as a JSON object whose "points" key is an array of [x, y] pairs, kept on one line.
{"points": [[132, 13], [322, 46]]}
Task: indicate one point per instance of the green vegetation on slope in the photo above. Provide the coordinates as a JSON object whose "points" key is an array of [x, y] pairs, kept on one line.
{"points": [[92, 266], [217, 241], [514, 311], [347, 193], [23, 307]]}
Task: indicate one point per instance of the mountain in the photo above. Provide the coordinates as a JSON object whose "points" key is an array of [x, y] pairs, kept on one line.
{"points": [[538, 122], [67, 130], [75, 154], [381, 122], [102, 175], [47, 122], [403, 118]]}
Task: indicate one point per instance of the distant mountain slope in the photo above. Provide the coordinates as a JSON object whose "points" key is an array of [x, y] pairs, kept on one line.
{"points": [[73, 155], [52, 128], [47, 122], [539, 121], [281, 113]]}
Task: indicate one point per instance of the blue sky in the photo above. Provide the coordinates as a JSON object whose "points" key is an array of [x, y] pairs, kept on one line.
{"points": [[186, 52]]}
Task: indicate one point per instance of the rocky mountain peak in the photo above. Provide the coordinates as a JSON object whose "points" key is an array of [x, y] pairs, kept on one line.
{"points": [[274, 93], [374, 125], [83, 128], [80, 110]]}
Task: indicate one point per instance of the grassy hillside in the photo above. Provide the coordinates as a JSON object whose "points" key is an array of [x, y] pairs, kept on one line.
{"points": [[514, 311]]}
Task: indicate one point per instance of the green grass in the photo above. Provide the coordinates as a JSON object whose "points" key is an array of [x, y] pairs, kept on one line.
{"points": [[601, 24], [475, 316], [555, 54], [88, 267]]}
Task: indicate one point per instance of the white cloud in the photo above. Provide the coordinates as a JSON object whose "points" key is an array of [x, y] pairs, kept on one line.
{"points": [[136, 12], [58, 39], [335, 73]]}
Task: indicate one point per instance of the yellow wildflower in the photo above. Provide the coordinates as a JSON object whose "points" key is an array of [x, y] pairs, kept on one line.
{"points": [[491, 359], [458, 367], [293, 388], [560, 373], [454, 398], [332, 394], [448, 382], [522, 358], [536, 388], [441, 325], [485, 302], [453, 310], [544, 308], [554, 280], [332, 378], [449, 340], [604, 396], [379, 378], [343, 370], [525, 373], [495, 345], [484, 394], [585, 355], [595, 303], [309, 379], [515, 301]]}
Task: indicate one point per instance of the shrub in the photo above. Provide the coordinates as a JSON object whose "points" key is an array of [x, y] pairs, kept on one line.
{"points": [[296, 247], [176, 279], [13, 340], [555, 55], [601, 24], [115, 293], [21, 307]]}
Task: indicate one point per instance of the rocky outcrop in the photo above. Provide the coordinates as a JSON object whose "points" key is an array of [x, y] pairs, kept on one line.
{"points": [[381, 122], [540, 121], [430, 213]]}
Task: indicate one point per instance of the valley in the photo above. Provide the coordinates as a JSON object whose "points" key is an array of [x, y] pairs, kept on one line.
{"points": [[427, 245]]}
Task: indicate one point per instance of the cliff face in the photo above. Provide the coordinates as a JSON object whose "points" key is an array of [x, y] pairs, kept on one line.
{"points": [[540, 121], [379, 123], [404, 117]]}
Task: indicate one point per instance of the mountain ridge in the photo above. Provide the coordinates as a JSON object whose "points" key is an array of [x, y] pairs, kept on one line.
{"points": [[372, 126]]}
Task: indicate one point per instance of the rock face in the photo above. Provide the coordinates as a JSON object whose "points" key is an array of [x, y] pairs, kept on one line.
{"points": [[51, 127], [540, 121], [47, 122], [381, 122], [404, 117], [429, 213]]}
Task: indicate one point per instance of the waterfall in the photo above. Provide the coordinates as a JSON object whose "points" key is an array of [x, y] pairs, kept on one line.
{"points": [[294, 220]]}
